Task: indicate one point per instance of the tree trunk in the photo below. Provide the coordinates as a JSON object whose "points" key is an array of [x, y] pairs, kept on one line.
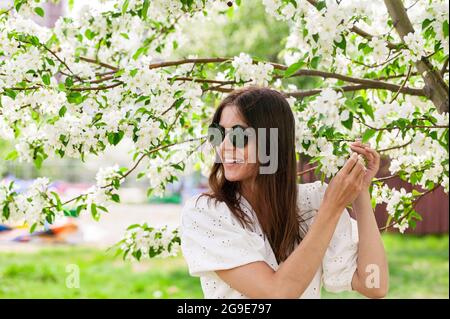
{"points": [[435, 87]]}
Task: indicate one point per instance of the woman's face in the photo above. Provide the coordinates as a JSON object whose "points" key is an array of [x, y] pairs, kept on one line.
{"points": [[239, 164]]}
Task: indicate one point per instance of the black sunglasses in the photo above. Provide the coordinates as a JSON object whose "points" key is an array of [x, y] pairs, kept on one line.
{"points": [[238, 135]]}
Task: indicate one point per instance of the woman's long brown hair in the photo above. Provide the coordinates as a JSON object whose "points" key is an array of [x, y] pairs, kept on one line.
{"points": [[275, 201]]}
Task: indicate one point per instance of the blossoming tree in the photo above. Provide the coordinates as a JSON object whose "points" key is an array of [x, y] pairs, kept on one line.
{"points": [[108, 74]]}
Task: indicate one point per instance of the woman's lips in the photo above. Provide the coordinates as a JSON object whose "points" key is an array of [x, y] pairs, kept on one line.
{"points": [[232, 161]]}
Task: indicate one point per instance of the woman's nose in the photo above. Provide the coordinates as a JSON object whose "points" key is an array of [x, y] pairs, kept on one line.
{"points": [[226, 143]]}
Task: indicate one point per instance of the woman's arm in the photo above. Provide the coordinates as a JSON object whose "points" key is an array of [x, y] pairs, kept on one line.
{"points": [[372, 276], [259, 280]]}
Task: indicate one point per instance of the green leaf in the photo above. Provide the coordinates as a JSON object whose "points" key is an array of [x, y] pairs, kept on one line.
{"points": [[351, 105], [145, 9], [365, 48], [33, 227], [80, 208], [46, 79], [68, 82], [58, 201], [38, 161], [34, 40], [416, 215], [50, 61], [115, 197], [429, 185], [378, 139], [362, 102], [348, 123], [89, 34], [11, 93], [62, 111], [70, 213], [321, 5], [368, 134], [133, 72], [315, 62], [125, 6], [137, 255], [342, 44], [39, 11], [445, 28], [12, 156], [74, 98], [115, 138], [139, 52], [133, 226], [103, 208], [94, 212], [293, 68], [6, 211], [35, 115], [426, 23], [18, 4]]}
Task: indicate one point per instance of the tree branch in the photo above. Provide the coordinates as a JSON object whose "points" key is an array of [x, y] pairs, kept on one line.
{"points": [[187, 61], [360, 31], [435, 87], [403, 84], [368, 83], [96, 88], [395, 147], [399, 128], [94, 61], [351, 88]]}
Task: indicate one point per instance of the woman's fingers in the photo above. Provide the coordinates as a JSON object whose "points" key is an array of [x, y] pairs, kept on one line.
{"points": [[360, 176], [357, 170], [359, 149], [374, 154], [348, 166], [371, 155], [358, 142], [374, 157]]}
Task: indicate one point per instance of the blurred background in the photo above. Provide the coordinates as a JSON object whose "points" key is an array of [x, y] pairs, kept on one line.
{"points": [[36, 265]]}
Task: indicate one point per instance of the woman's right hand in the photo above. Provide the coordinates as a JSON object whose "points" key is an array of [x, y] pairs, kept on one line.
{"points": [[346, 185]]}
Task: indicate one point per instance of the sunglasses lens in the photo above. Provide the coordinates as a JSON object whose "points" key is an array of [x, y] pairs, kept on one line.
{"points": [[215, 134], [238, 137]]}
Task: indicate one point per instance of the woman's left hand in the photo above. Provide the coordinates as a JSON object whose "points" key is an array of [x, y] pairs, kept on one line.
{"points": [[372, 158]]}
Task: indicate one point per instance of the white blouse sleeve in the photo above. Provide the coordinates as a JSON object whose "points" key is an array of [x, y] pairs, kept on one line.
{"points": [[212, 239], [340, 260]]}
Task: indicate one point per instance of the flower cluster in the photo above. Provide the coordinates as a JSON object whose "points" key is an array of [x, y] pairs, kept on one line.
{"points": [[29, 207], [416, 46], [254, 73], [399, 205], [142, 241]]}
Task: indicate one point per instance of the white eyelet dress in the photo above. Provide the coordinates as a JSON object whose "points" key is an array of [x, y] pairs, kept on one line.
{"points": [[213, 239]]}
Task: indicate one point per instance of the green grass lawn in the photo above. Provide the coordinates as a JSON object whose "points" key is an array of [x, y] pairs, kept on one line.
{"points": [[419, 268]]}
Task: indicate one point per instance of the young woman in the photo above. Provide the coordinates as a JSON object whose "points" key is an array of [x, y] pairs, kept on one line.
{"points": [[257, 235]]}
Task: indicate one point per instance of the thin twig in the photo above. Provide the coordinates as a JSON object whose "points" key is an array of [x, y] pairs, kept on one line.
{"points": [[395, 147], [403, 84], [94, 61]]}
